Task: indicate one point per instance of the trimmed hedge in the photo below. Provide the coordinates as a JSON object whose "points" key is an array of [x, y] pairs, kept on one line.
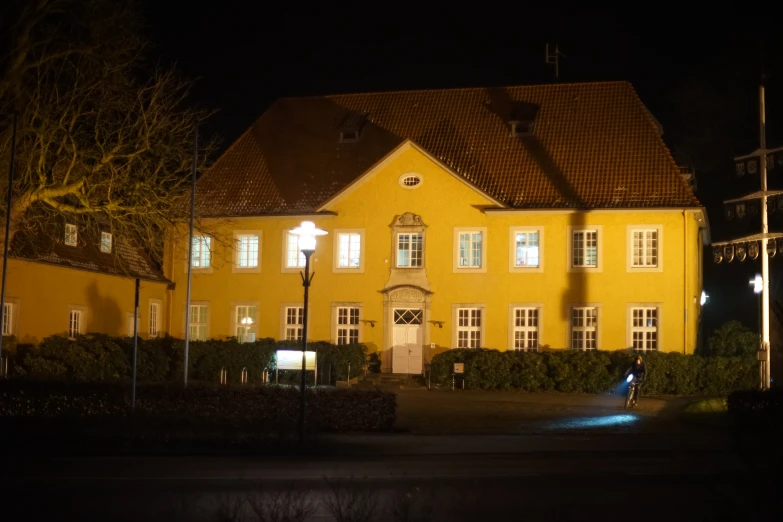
{"points": [[199, 409], [594, 371], [98, 357]]}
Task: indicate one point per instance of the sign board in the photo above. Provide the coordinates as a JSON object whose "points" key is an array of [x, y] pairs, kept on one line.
{"points": [[459, 367], [292, 360], [762, 355]]}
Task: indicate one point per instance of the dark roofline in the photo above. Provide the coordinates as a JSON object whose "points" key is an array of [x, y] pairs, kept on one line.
{"points": [[161, 280], [451, 89]]}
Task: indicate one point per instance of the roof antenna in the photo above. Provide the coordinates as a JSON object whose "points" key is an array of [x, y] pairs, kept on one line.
{"points": [[554, 58]]}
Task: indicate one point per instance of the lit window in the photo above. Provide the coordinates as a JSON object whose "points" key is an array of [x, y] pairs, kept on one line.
{"points": [[585, 248], [645, 248], [8, 319], [644, 328], [468, 327], [294, 258], [526, 249], [470, 249], [198, 322], [74, 324], [294, 318], [349, 255], [154, 320], [247, 251], [71, 234], [246, 324], [347, 325], [584, 323], [106, 242], [526, 329], [202, 247], [409, 250]]}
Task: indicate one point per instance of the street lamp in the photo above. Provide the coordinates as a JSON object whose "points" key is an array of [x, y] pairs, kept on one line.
{"points": [[307, 233]]}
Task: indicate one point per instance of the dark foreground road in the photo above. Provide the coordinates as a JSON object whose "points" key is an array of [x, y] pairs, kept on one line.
{"points": [[459, 478]]}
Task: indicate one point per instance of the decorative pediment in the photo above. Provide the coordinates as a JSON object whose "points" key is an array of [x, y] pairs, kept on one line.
{"points": [[408, 219], [407, 294]]}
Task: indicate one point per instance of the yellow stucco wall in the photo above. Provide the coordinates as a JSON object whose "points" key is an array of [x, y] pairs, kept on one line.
{"points": [[43, 294], [445, 202]]}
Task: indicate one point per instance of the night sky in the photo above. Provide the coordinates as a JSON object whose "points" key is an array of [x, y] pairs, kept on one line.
{"points": [[698, 76]]}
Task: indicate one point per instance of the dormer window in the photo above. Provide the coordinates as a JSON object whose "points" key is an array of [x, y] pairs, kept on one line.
{"points": [[522, 128], [352, 125], [349, 135], [522, 118], [106, 242], [71, 234]]}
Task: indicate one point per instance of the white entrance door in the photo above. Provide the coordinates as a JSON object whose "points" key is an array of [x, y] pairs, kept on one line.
{"points": [[407, 339]]}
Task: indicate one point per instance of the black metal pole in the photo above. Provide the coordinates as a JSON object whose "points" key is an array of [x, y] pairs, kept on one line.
{"points": [[306, 283], [7, 237], [135, 344], [190, 251]]}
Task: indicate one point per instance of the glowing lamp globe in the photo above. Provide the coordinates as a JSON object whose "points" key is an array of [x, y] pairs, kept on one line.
{"points": [[307, 233]]}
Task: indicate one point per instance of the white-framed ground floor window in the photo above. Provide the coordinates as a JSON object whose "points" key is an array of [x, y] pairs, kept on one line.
{"points": [[244, 322], [10, 317], [468, 325], [294, 321], [348, 324], [77, 317], [644, 326], [525, 321], [199, 322], [584, 327]]}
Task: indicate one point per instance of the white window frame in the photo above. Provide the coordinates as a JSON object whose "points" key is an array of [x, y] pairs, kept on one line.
{"points": [[599, 230], [457, 328], [336, 268], [106, 240], [71, 235], [154, 326], [237, 254], [484, 247], [630, 328], [11, 326], [284, 326], [81, 311], [403, 177], [630, 229], [300, 256], [198, 324], [410, 244], [252, 314], [129, 323], [512, 327], [596, 328], [336, 326], [205, 261], [512, 259]]}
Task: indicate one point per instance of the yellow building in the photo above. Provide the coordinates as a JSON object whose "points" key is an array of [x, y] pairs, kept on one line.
{"points": [[510, 218], [69, 281]]}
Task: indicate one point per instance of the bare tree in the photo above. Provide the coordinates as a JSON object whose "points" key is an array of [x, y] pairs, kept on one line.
{"points": [[101, 139]]}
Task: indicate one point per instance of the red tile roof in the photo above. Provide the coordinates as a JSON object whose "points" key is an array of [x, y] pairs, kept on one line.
{"points": [[48, 247], [594, 145]]}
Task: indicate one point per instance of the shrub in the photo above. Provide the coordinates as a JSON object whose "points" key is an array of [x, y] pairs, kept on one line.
{"points": [[97, 357], [733, 339], [201, 409], [594, 371]]}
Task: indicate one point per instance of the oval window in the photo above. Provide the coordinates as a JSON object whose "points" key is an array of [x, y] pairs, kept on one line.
{"points": [[410, 180]]}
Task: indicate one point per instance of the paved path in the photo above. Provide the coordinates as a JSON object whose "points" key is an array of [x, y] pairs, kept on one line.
{"points": [[511, 413]]}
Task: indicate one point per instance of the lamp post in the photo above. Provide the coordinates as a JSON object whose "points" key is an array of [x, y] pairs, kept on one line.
{"points": [[307, 233]]}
